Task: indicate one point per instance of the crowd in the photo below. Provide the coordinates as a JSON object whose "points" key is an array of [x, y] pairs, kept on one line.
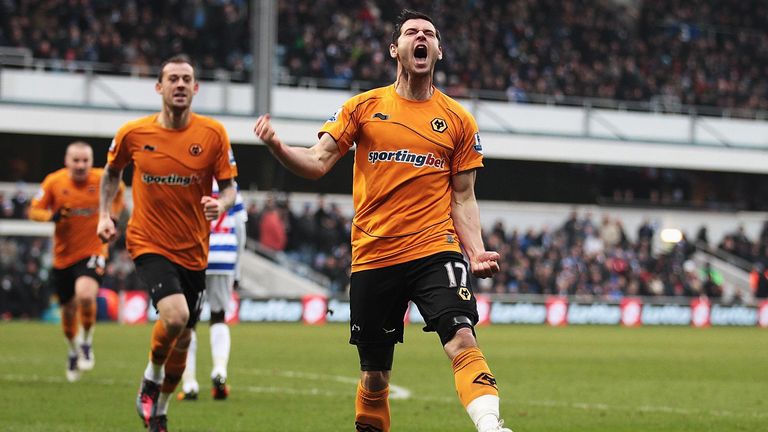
{"points": [[318, 236], [592, 260], [23, 271], [129, 36], [700, 52], [584, 258]]}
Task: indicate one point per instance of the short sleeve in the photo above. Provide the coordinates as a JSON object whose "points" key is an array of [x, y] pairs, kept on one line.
{"points": [[343, 126], [43, 198], [119, 153], [226, 166], [468, 153]]}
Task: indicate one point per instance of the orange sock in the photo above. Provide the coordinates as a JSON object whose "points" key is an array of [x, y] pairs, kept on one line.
{"points": [[372, 410], [161, 343], [69, 322], [472, 375], [174, 368], [87, 312]]}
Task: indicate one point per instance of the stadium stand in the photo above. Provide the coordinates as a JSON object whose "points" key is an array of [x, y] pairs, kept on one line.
{"points": [[23, 271], [661, 55], [582, 258]]}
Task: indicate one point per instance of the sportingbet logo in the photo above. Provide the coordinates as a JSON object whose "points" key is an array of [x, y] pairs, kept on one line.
{"points": [[84, 211], [170, 179], [404, 156]]}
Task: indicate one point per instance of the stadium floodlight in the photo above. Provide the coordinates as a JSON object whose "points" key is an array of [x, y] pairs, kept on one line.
{"points": [[671, 235]]}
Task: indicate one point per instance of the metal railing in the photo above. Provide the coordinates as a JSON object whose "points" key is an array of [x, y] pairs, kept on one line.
{"points": [[722, 255], [662, 104], [284, 260]]}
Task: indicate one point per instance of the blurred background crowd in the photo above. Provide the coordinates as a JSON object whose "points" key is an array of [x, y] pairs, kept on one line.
{"points": [[649, 54], [586, 258], [659, 53]]}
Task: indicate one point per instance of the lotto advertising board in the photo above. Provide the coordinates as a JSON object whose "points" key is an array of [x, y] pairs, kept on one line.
{"points": [[136, 308]]}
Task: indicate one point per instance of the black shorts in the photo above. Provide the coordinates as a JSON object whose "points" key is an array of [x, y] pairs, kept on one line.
{"points": [[163, 278], [63, 280], [437, 284]]}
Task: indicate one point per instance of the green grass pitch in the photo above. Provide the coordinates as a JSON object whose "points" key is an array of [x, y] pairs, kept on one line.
{"points": [[291, 377]]}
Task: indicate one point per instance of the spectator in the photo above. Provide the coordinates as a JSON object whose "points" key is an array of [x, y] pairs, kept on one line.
{"points": [[539, 261], [272, 229], [663, 54], [611, 232]]}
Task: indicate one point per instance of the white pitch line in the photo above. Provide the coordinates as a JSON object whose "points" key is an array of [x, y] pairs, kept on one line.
{"points": [[400, 392], [395, 391], [54, 379]]}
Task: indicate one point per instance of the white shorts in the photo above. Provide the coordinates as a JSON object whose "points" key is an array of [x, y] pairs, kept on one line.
{"points": [[218, 289]]}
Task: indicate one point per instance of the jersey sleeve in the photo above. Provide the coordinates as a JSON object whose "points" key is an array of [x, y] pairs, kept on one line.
{"points": [[226, 166], [468, 153], [40, 207], [119, 153], [342, 126]]}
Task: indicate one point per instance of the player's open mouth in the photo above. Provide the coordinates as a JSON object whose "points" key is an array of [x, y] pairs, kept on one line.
{"points": [[420, 52]]}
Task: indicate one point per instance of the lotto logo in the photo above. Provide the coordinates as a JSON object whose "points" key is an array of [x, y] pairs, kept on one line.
{"points": [[134, 307], [631, 312], [557, 311], [762, 314], [700, 313], [485, 379], [365, 427], [315, 308]]}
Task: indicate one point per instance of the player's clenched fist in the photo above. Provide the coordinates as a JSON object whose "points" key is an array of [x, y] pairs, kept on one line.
{"points": [[212, 208], [485, 265], [106, 229]]}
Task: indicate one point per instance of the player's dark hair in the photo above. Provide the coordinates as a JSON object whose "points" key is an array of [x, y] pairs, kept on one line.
{"points": [[406, 15], [178, 58]]}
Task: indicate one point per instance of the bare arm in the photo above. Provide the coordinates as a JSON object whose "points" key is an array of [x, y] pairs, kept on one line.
{"points": [[109, 186], [312, 163], [466, 220], [215, 207]]}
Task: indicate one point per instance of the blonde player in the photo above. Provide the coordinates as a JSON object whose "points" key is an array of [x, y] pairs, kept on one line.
{"points": [[70, 198]]}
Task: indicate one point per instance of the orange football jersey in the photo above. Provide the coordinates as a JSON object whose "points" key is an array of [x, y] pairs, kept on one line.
{"points": [[75, 234], [172, 170], [406, 153]]}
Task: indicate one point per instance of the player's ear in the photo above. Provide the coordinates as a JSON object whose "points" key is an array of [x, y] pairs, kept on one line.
{"points": [[393, 51], [158, 87], [196, 87], [439, 52]]}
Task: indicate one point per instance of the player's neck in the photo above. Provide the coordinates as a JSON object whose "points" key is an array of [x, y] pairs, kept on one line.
{"points": [[171, 119], [416, 88], [78, 180]]}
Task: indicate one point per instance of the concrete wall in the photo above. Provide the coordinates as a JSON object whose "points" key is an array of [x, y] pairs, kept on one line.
{"points": [[86, 105]]}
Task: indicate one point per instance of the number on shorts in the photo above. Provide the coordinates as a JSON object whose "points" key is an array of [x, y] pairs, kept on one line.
{"points": [[96, 262], [452, 275]]}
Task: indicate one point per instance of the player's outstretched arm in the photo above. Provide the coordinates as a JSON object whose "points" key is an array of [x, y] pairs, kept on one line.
{"points": [[109, 186], [466, 220], [311, 163]]}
